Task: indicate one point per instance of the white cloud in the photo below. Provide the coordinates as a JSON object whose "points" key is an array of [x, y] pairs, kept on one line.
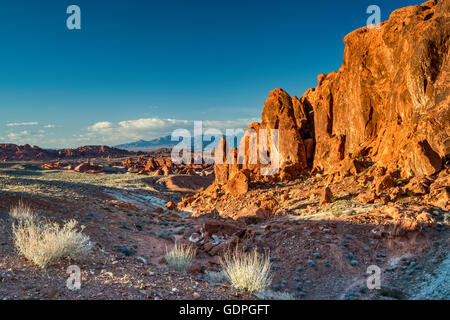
{"points": [[18, 135], [101, 125], [26, 137], [113, 133], [22, 124], [151, 128], [142, 124]]}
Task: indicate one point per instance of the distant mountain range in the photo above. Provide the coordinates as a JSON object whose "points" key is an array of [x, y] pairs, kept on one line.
{"points": [[151, 145]]}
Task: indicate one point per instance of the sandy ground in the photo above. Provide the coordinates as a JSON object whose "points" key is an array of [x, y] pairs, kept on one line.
{"points": [[318, 255]]}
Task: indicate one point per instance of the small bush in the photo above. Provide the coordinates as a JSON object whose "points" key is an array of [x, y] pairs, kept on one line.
{"points": [[44, 243], [272, 295], [21, 211], [181, 256], [391, 292], [247, 271], [215, 277]]}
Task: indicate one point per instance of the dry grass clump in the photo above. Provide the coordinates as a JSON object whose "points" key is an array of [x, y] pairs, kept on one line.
{"points": [[247, 271], [181, 256], [44, 243], [21, 211]]}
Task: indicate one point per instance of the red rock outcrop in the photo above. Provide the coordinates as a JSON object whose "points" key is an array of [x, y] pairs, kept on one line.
{"points": [[159, 163], [238, 185], [383, 118], [326, 196], [293, 119], [86, 167], [288, 115], [390, 99], [439, 191], [389, 103]]}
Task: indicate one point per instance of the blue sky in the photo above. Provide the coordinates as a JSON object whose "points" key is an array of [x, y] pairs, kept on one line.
{"points": [[135, 63]]}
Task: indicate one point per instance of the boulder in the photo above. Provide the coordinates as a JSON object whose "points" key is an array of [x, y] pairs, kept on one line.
{"points": [[418, 185], [86, 166], [384, 183], [238, 185], [220, 228], [395, 193], [171, 206], [252, 214], [439, 196], [326, 196], [367, 197]]}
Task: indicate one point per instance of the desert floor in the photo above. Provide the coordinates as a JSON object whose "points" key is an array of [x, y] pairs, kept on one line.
{"points": [[318, 252]]}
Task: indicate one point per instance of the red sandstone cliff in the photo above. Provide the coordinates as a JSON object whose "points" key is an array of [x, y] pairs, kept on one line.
{"points": [[390, 99], [388, 104]]}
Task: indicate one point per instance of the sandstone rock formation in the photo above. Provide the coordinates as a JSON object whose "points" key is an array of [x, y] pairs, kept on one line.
{"points": [[390, 99], [326, 196], [388, 105], [382, 120], [158, 163], [87, 167], [170, 205], [293, 119]]}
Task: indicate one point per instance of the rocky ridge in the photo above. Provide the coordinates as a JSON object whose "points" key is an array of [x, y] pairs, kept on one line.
{"points": [[382, 119], [12, 152]]}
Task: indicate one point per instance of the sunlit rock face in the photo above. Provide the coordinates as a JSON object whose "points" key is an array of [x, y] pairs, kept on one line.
{"points": [[390, 99], [388, 104]]}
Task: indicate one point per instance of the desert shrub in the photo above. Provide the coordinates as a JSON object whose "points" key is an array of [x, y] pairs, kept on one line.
{"points": [[181, 256], [215, 277], [44, 243], [21, 211], [391, 292], [247, 271], [272, 295]]}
